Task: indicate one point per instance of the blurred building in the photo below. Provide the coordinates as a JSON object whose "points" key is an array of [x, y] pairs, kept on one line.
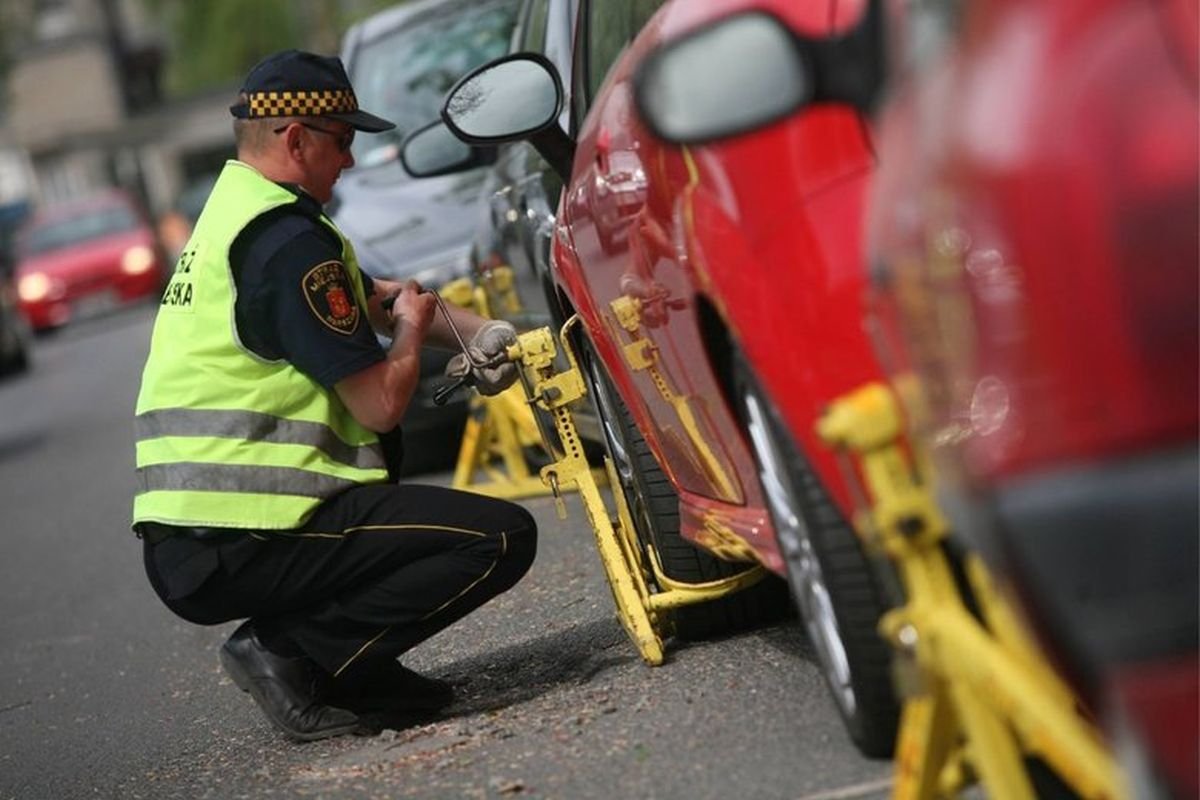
{"points": [[84, 104]]}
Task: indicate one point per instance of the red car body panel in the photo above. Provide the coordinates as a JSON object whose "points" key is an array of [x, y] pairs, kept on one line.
{"points": [[87, 276], [1094, 174], [764, 230], [1036, 215]]}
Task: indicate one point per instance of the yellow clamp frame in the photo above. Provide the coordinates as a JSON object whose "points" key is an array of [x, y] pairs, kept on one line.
{"points": [[492, 455], [980, 695], [641, 609]]}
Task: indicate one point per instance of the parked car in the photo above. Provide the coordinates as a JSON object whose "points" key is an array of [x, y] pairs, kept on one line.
{"points": [[718, 291], [521, 189], [86, 257], [521, 193], [1035, 234], [176, 223], [401, 62], [14, 330]]}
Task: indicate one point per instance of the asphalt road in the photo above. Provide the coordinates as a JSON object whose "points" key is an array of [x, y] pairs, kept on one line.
{"points": [[103, 693]]}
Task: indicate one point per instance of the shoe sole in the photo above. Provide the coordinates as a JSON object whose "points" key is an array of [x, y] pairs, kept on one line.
{"points": [[247, 684]]}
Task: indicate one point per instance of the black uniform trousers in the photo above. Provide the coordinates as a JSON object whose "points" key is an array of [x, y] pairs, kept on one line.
{"points": [[375, 570]]}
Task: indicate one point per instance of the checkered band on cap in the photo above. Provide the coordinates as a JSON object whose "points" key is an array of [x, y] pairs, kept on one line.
{"points": [[302, 103]]}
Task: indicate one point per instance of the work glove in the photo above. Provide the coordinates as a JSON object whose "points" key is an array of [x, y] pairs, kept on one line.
{"points": [[488, 344]]}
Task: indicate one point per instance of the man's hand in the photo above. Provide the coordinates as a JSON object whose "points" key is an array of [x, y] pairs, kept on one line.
{"points": [[488, 344], [412, 309]]}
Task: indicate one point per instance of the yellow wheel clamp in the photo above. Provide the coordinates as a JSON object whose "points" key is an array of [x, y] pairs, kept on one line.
{"points": [[500, 430], [979, 697], [644, 596]]}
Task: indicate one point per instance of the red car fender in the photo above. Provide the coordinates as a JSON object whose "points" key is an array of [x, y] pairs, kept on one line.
{"points": [[789, 281]]}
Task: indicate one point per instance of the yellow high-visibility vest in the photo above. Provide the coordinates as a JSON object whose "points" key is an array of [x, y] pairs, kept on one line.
{"points": [[226, 438]]}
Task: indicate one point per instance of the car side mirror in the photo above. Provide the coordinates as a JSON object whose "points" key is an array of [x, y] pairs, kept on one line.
{"points": [[433, 150], [519, 96], [748, 70]]}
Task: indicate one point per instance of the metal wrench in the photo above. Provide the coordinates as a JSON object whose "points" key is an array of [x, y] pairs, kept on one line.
{"points": [[467, 378]]}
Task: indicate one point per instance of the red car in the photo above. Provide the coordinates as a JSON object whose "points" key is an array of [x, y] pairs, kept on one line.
{"points": [[1035, 231], [85, 257], [719, 288]]}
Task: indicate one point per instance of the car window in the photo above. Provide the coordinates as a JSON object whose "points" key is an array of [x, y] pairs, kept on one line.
{"points": [[193, 197], [403, 75], [605, 28], [533, 39], [94, 224], [610, 28]]}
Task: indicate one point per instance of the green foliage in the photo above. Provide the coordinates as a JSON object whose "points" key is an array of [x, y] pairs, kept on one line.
{"points": [[216, 41], [213, 43], [16, 19]]}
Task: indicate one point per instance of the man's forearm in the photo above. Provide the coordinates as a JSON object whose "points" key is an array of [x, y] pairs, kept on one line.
{"points": [[378, 396], [440, 334]]}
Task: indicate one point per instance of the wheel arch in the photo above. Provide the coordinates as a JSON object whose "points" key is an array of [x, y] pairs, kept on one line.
{"points": [[719, 347]]}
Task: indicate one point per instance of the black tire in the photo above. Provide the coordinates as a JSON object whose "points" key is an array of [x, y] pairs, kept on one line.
{"points": [[839, 592], [654, 507], [15, 365], [21, 362], [18, 362]]}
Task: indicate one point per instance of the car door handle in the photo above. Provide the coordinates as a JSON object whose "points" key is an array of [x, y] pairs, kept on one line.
{"points": [[603, 148]]}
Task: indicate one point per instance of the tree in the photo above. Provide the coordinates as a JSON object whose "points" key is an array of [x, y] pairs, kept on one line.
{"points": [[16, 22], [215, 42]]}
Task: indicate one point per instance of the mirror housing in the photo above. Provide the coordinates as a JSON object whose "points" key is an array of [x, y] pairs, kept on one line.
{"points": [[737, 74], [748, 70], [516, 97], [432, 150]]}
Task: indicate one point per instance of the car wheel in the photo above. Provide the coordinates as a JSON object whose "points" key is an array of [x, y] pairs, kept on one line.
{"points": [[18, 360], [20, 363], [17, 363], [654, 507], [837, 589]]}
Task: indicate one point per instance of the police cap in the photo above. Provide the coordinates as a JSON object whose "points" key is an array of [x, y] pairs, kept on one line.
{"points": [[294, 83]]}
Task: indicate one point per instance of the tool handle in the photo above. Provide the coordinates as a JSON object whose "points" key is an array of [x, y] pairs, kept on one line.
{"points": [[443, 392]]}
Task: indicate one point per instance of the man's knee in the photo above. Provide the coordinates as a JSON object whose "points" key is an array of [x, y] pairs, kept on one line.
{"points": [[516, 537], [521, 539]]}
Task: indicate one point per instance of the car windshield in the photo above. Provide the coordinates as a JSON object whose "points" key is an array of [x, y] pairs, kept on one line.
{"points": [[405, 75], [92, 224]]}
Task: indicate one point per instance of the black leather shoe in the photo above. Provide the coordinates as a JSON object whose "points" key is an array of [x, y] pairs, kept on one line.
{"points": [[389, 686], [288, 690]]}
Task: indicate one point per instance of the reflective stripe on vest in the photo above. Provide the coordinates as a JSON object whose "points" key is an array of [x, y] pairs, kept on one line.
{"points": [[252, 426], [239, 478]]}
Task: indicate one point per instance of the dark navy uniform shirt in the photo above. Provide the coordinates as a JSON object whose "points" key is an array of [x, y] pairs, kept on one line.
{"points": [[294, 298]]}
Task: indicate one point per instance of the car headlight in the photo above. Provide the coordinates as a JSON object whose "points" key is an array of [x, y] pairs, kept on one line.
{"points": [[137, 259], [33, 287]]}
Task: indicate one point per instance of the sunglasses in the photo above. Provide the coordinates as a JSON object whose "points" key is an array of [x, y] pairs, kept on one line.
{"points": [[344, 139]]}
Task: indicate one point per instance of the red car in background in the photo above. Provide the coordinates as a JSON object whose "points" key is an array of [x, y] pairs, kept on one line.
{"points": [[719, 288], [85, 257], [1034, 228]]}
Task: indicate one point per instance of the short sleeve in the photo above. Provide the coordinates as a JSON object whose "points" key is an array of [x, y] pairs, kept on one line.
{"points": [[296, 301]]}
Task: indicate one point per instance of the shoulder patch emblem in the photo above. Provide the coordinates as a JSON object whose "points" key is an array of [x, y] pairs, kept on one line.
{"points": [[330, 296]]}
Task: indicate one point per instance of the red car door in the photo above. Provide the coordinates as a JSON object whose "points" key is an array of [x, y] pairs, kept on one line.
{"points": [[619, 215]]}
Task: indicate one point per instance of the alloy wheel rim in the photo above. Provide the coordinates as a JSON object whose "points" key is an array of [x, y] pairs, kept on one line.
{"points": [[616, 445], [808, 580]]}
